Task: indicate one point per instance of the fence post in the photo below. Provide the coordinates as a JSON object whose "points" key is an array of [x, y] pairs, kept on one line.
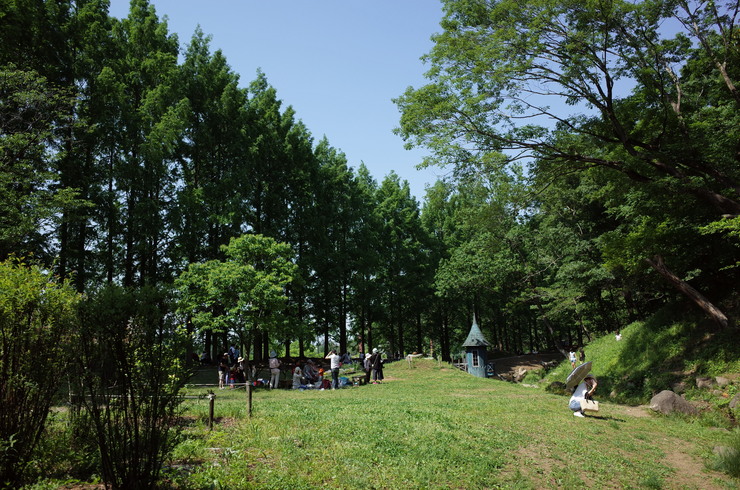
{"points": [[249, 399], [211, 403]]}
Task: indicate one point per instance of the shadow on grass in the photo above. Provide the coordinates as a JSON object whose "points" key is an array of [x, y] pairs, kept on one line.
{"points": [[606, 418]]}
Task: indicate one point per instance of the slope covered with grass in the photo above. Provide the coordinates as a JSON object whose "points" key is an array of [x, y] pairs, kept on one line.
{"points": [[432, 426], [656, 355]]}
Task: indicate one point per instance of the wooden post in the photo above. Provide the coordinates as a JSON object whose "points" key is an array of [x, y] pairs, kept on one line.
{"points": [[249, 399], [211, 403]]}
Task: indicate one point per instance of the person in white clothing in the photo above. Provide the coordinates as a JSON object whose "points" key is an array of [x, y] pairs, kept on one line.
{"points": [[335, 363], [583, 391]]}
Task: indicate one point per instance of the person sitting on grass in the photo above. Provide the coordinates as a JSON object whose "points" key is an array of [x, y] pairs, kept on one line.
{"points": [[584, 391], [297, 378], [310, 372]]}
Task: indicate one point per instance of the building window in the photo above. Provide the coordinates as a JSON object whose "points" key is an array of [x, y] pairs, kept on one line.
{"points": [[476, 362]]}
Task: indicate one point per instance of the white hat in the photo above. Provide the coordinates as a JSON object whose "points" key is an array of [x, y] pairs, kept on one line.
{"points": [[375, 351]]}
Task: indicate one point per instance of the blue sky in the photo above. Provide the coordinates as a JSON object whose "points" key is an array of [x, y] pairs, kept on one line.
{"points": [[337, 62]]}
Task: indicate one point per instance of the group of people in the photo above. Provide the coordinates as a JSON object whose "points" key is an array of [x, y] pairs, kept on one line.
{"points": [[312, 376], [576, 351], [373, 365], [233, 369]]}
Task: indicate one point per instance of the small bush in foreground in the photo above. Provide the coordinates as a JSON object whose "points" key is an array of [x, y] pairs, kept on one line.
{"points": [[727, 458], [130, 375], [37, 317]]}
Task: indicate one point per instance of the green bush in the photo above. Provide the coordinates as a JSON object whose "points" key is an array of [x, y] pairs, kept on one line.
{"points": [[130, 373], [727, 459], [37, 320]]}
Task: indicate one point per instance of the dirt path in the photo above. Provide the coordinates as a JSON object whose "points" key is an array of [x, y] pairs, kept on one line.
{"points": [[528, 361]]}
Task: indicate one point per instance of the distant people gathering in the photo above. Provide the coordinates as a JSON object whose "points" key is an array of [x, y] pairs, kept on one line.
{"points": [[233, 370]]}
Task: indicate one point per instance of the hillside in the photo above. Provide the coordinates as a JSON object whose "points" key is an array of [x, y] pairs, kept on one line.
{"points": [[661, 354], [433, 426]]}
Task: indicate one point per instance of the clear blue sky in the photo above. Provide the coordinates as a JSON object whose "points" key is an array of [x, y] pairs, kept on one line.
{"points": [[337, 62]]}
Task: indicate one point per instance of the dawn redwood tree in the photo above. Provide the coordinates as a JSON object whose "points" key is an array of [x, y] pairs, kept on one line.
{"points": [[365, 290], [211, 157], [402, 245], [30, 199], [149, 119]]}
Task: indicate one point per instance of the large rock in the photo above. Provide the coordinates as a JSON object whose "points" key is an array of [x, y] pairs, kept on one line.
{"points": [[704, 383], [722, 381], [668, 402], [679, 387], [735, 402]]}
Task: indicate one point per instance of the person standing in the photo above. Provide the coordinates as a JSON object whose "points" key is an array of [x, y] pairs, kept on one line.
{"points": [[334, 361], [572, 357], [377, 363], [223, 371], [274, 370], [368, 366]]}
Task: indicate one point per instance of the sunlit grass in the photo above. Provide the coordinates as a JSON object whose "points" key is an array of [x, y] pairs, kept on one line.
{"points": [[427, 427]]}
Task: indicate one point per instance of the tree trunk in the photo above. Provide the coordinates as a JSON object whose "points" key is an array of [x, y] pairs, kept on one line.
{"points": [[685, 288], [550, 329]]}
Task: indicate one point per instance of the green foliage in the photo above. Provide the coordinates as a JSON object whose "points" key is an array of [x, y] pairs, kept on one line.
{"points": [[37, 333], [624, 161], [242, 292], [129, 372], [728, 457], [29, 198], [655, 354]]}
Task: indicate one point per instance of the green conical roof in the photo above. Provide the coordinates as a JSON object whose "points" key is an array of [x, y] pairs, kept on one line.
{"points": [[475, 337]]}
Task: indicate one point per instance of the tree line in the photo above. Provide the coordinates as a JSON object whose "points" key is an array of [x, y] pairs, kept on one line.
{"points": [[593, 176]]}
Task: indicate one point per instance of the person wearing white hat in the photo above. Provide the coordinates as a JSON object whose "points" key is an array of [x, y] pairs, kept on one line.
{"points": [[376, 362], [367, 365], [274, 370]]}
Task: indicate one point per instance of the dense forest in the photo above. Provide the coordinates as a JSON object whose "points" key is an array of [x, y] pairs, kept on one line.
{"points": [[593, 179]]}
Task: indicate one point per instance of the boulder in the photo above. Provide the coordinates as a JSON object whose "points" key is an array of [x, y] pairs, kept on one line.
{"points": [[735, 402], [668, 402], [722, 381], [679, 387], [704, 383], [557, 387]]}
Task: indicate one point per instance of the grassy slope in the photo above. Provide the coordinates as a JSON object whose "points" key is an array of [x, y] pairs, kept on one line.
{"points": [[435, 427], [654, 355]]}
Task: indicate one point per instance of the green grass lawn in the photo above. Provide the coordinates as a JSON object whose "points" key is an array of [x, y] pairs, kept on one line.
{"points": [[436, 427]]}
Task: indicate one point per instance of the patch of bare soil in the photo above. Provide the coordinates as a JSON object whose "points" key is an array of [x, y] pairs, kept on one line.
{"points": [[690, 471], [532, 461], [508, 366], [638, 411]]}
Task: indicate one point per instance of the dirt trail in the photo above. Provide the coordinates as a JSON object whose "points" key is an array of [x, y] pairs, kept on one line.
{"points": [[528, 361]]}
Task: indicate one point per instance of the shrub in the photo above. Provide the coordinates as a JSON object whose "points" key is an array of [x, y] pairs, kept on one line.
{"points": [[131, 370], [727, 459], [37, 316]]}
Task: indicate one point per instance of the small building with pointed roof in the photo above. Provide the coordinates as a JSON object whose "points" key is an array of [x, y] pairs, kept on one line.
{"points": [[476, 351]]}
